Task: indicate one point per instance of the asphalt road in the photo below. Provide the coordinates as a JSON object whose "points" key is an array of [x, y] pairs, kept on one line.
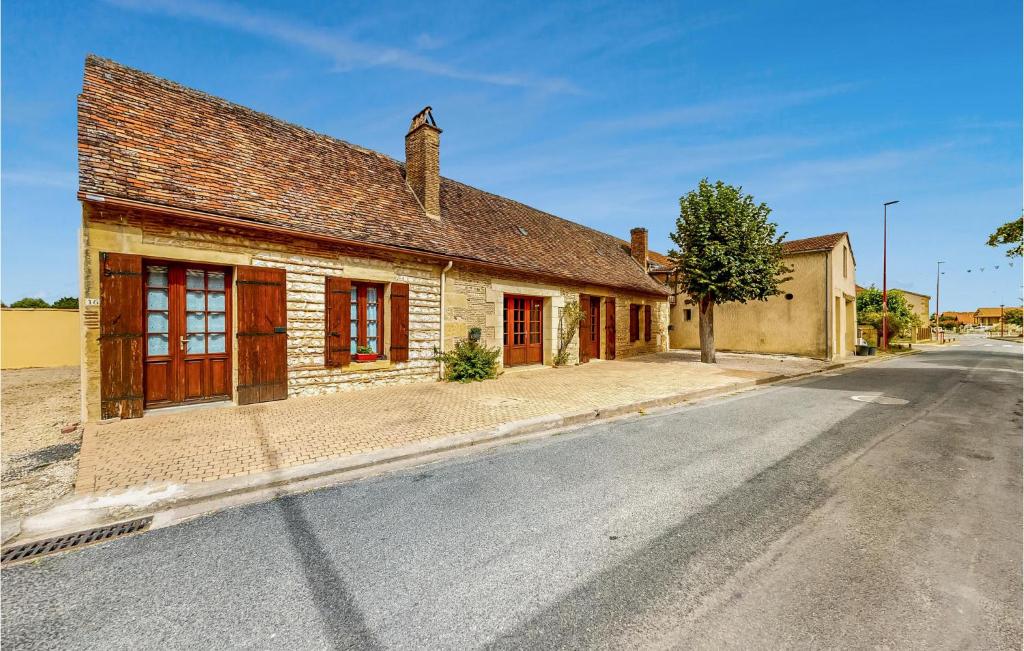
{"points": [[791, 516]]}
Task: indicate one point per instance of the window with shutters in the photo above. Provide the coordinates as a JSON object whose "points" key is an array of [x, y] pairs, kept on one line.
{"points": [[647, 323], [366, 309], [634, 322]]}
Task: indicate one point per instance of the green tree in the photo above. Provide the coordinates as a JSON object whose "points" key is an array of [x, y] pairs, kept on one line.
{"points": [[1010, 233], [728, 252], [30, 302], [66, 303], [901, 319], [1013, 316]]}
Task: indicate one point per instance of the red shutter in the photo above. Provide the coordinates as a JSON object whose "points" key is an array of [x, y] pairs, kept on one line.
{"points": [[585, 329], [609, 327], [262, 335], [647, 323], [337, 321], [634, 323], [399, 322], [121, 335]]}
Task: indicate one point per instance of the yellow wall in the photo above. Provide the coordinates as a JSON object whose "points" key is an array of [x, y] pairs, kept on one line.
{"points": [[805, 325], [38, 337]]}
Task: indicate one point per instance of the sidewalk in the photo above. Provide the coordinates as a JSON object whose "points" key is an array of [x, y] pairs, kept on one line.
{"points": [[179, 464], [210, 443]]}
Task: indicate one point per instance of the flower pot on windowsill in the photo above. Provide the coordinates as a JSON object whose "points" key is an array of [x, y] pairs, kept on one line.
{"points": [[365, 357]]}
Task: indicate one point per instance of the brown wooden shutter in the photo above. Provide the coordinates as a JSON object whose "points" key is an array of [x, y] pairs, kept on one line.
{"points": [[399, 322], [585, 329], [647, 323], [122, 328], [634, 322], [609, 327], [338, 321], [262, 335]]}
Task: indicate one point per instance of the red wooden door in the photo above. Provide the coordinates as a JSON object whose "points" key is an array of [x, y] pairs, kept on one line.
{"points": [[609, 328], [524, 330], [594, 318], [121, 336], [262, 334], [188, 333]]}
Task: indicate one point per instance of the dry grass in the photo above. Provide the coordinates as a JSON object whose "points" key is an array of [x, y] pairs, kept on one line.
{"points": [[39, 461]]}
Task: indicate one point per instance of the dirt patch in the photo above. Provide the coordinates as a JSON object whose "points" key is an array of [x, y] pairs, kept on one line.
{"points": [[41, 437]]}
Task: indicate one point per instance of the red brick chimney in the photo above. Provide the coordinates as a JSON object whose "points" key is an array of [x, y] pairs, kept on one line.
{"points": [[422, 161], [638, 246]]}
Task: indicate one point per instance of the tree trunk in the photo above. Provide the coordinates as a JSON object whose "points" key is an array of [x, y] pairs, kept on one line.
{"points": [[707, 330]]}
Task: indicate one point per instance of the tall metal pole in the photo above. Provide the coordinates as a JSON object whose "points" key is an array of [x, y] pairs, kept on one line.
{"points": [[938, 315], [885, 261], [1002, 322]]}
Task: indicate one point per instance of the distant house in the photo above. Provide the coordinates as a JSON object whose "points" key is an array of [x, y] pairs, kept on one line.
{"points": [[988, 316], [229, 255], [963, 319], [814, 316]]}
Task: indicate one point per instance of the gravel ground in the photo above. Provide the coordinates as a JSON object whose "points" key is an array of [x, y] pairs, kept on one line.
{"points": [[39, 460]]}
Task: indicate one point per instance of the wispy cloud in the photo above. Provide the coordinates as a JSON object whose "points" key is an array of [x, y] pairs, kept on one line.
{"points": [[346, 53], [726, 109], [41, 178]]}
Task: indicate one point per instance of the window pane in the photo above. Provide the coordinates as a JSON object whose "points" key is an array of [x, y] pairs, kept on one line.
{"points": [[215, 301], [352, 346], [354, 305], [371, 294], [371, 328], [157, 322], [195, 301], [215, 322], [157, 345], [372, 343], [157, 276], [195, 322], [215, 343], [371, 310], [215, 280], [195, 279], [196, 344], [156, 299]]}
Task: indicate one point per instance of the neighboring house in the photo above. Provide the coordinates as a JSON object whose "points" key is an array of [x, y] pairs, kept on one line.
{"points": [[919, 304], [814, 316], [988, 316], [228, 255], [962, 318]]}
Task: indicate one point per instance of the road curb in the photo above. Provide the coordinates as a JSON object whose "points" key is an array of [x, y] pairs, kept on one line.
{"points": [[170, 504]]}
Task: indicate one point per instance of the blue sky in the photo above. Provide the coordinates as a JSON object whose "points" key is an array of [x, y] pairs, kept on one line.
{"points": [[601, 113]]}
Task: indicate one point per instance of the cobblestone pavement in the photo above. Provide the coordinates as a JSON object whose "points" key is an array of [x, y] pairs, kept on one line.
{"points": [[210, 443]]}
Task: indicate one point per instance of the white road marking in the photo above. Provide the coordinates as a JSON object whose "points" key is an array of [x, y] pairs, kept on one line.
{"points": [[880, 400]]}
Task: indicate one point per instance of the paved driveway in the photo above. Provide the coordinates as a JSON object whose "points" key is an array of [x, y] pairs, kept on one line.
{"points": [[788, 517], [229, 441]]}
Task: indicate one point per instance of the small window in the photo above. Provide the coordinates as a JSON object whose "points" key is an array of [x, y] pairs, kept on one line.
{"points": [[366, 306], [844, 261], [789, 297], [687, 314]]}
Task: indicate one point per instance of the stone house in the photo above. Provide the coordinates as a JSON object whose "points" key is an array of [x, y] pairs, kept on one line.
{"points": [[814, 316], [228, 255], [988, 316]]}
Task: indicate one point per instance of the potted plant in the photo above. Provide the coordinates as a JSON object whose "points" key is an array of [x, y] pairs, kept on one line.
{"points": [[364, 354]]}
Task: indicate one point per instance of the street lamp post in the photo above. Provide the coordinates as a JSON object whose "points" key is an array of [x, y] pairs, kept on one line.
{"points": [[885, 260], [938, 315], [1002, 322]]}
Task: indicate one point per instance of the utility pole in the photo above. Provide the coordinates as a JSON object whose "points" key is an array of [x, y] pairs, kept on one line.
{"points": [[885, 260], [938, 315], [1002, 322]]}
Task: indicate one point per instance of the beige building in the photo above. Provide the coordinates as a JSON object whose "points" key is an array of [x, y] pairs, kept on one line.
{"points": [[919, 304], [814, 316], [230, 256]]}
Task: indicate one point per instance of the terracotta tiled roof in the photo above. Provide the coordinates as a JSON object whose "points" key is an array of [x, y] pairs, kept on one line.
{"points": [[988, 312], [661, 262], [147, 139], [817, 243]]}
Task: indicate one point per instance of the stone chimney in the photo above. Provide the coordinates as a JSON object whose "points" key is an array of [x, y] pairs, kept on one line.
{"points": [[422, 161], [638, 246]]}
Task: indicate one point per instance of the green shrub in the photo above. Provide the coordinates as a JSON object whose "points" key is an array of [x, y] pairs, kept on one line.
{"points": [[30, 302], [66, 303], [469, 361]]}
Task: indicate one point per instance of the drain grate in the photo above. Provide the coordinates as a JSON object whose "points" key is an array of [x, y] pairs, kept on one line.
{"points": [[73, 540]]}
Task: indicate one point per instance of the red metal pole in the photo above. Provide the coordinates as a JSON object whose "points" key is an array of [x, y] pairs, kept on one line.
{"points": [[1002, 322]]}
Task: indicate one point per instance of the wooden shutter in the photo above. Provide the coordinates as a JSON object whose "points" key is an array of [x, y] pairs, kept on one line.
{"points": [[634, 323], [585, 329], [338, 321], [647, 323], [609, 327], [121, 335], [262, 335], [400, 322]]}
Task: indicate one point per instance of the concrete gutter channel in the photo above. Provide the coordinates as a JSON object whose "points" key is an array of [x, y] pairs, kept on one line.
{"points": [[170, 503]]}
